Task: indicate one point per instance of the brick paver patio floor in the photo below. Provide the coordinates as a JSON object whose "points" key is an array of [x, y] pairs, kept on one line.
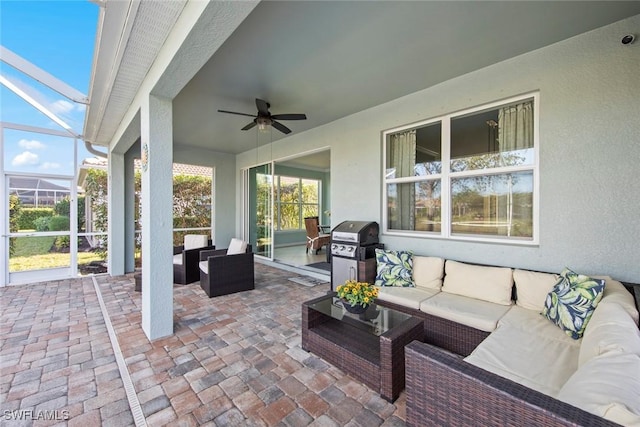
{"points": [[234, 360]]}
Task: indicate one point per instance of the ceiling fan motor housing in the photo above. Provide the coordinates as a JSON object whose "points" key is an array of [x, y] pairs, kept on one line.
{"points": [[263, 121]]}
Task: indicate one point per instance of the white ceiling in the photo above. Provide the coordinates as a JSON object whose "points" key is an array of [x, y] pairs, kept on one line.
{"points": [[332, 59]]}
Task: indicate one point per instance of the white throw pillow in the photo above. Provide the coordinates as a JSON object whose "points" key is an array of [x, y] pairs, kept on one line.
{"points": [[610, 329], [237, 246], [607, 386], [532, 288], [428, 271], [195, 241], [491, 284]]}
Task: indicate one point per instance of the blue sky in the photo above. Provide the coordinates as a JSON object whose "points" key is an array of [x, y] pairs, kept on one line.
{"points": [[59, 37]]}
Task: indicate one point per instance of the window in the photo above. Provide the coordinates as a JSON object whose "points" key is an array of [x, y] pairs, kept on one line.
{"points": [[468, 175], [296, 198]]}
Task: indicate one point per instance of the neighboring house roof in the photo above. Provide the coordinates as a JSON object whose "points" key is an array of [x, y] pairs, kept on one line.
{"points": [[178, 168], [35, 184]]}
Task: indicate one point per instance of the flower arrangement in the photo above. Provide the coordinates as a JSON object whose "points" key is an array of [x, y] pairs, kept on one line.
{"points": [[357, 293]]}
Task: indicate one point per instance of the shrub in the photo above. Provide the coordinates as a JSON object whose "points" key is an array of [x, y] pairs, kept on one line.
{"points": [[63, 208], [62, 242], [59, 223], [14, 215], [28, 215], [42, 223]]}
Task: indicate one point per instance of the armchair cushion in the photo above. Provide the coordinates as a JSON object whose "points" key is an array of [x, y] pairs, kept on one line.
{"points": [[236, 246], [194, 241], [177, 259]]}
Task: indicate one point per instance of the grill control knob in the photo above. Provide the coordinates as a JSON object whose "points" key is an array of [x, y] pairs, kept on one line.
{"points": [[350, 248], [342, 248]]}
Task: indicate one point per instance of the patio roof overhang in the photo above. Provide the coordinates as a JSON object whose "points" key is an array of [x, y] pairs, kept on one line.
{"points": [[327, 59]]}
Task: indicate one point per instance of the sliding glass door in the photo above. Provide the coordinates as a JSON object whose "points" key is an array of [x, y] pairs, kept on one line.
{"points": [[259, 209]]}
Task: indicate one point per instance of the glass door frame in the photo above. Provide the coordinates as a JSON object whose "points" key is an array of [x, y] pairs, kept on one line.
{"points": [[247, 226], [45, 273]]}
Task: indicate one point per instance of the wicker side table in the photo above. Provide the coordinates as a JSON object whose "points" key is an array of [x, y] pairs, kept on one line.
{"points": [[369, 347]]}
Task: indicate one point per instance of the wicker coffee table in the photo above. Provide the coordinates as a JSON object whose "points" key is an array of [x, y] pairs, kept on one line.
{"points": [[368, 346]]}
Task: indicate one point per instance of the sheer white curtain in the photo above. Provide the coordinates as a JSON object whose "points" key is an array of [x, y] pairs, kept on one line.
{"points": [[515, 127], [403, 160]]}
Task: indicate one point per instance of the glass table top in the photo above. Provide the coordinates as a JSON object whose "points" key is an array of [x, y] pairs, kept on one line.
{"points": [[376, 320]]}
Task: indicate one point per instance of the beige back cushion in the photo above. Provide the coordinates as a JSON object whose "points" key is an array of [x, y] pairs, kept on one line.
{"points": [[607, 386], [610, 329], [615, 291], [532, 288], [237, 246], [428, 271], [491, 284], [194, 241]]}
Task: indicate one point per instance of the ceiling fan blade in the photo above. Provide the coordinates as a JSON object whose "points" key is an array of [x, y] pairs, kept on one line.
{"points": [[239, 114], [263, 107], [249, 126], [289, 117], [282, 128]]}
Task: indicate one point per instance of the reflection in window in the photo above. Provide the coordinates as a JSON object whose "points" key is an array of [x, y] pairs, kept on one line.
{"points": [[415, 152], [496, 205], [495, 138], [490, 154], [414, 206]]}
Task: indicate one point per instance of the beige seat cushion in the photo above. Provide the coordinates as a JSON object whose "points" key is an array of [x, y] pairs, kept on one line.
{"points": [[428, 271], [520, 350], [472, 312], [195, 241], [204, 266], [532, 288], [407, 297], [607, 386], [177, 259], [492, 284], [610, 329], [531, 322], [237, 246], [615, 291]]}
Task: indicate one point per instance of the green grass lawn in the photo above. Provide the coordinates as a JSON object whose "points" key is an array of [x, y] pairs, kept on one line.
{"points": [[33, 253]]}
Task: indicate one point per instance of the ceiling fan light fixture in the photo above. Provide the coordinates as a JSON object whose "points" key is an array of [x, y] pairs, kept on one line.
{"points": [[263, 124]]}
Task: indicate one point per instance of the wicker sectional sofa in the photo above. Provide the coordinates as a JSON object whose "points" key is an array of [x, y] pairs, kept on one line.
{"points": [[489, 358]]}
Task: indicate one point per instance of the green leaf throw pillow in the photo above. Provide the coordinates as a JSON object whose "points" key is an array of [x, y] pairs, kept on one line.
{"points": [[394, 268], [571, 302]]}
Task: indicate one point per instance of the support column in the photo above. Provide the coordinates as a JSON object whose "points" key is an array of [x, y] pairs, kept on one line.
{"points": [[116, 214], [129, 208], [157, 216]]}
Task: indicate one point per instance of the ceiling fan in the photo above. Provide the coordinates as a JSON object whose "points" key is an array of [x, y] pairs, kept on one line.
{"points": [[264, 117]]}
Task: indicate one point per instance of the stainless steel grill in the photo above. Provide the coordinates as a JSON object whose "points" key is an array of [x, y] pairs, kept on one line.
{"points": [[351, 242]]}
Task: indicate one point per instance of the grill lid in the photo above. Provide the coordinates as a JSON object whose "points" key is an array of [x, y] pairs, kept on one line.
{"points": [[359, 232]]}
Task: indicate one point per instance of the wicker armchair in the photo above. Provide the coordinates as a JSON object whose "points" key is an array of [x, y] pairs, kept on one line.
{"points": [[222, 273], [315, 240], [186, 258]]}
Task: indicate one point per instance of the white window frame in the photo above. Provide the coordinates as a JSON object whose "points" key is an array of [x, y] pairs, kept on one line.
{"points": [[446, 176], [300, 203]]}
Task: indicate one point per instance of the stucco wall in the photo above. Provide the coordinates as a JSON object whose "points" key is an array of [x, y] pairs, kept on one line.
{"points": [[589, 154]]}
